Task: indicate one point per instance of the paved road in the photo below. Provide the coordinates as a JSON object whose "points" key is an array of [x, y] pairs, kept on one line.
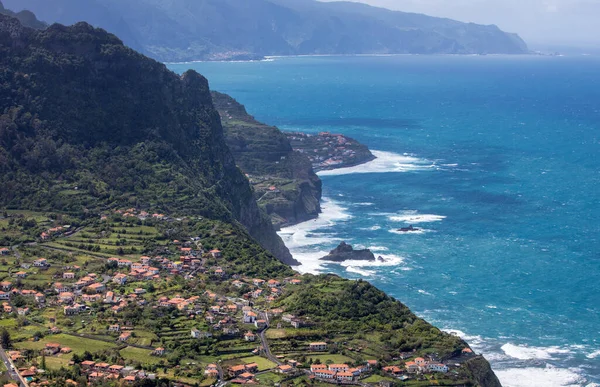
{"points": [[265, 342], [12, 369], [220, 369]]}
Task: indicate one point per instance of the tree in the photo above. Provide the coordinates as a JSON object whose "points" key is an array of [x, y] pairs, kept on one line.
{"points": [[5, 340], [43, 363]]}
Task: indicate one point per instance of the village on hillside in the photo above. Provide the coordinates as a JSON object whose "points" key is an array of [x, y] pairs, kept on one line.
{"points": [[329, 151], [122, 302]]}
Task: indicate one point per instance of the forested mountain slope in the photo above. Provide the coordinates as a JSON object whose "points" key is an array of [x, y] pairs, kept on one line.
{"points": [[87, 123]]}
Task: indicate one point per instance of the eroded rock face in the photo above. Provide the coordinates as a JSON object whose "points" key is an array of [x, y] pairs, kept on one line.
{"points": [[345, 252], [284, 181], [482, 372]]}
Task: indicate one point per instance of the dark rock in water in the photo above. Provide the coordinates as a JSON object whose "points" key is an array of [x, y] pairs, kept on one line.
{"points": [[408, 229], [345, 252]]}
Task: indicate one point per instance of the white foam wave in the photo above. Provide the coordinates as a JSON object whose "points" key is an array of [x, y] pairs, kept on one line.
{"points": [[364, 273], [540, 377], [418, 232], [304, 240], [475, 341], [384, 162], [300, 235], [378, 248], [372, 228], [414, 217], [366, 204], [388, 260], [424, 292], [544, 376], [523, 352], [593, 355]]}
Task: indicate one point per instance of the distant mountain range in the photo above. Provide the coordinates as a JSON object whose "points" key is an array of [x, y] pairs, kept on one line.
{"points": [[183, 30], [27, 18]]}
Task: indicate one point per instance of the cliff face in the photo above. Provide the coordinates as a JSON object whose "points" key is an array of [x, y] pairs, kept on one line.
{"points": [[91, 124], [284, 182], [482, 372]]}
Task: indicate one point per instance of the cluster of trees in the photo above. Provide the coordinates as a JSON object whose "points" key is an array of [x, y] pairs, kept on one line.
{"points": [[338, 305]]}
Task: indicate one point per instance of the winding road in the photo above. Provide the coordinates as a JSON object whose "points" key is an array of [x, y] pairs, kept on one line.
{"points": [[265, 342]]}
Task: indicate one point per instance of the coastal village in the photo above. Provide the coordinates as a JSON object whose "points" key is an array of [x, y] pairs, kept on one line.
{"points": [[329, 151], [184, 313]]}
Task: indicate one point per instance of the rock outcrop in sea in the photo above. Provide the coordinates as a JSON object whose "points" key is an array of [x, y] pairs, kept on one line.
{"points": [[345, 252]]}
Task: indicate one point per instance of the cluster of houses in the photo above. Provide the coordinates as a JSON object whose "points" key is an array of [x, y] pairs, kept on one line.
{"points": [[76, 291], [134, 213], [93, 370], [7, 291], [419, 365], [326, 149], [243, 373], [341, 372], [54, 231], [104, 371]]}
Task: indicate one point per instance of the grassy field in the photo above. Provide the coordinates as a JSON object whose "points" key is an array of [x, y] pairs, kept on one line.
{"points": [[269, 378], [139, 354], [55, 363], [377, 379], [263, 364], [277, 333], [78, 344], [332, 358], [144, 338]]}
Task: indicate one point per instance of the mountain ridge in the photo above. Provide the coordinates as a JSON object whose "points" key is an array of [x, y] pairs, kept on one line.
{"points": [[91, 123], [27, 18], [177, 30]]}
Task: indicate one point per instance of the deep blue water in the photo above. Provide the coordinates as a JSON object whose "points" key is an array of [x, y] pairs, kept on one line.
{"points": [[495, 159]]}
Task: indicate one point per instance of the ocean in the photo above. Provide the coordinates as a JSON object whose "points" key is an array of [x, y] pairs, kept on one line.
{"points": [[495, 159]]}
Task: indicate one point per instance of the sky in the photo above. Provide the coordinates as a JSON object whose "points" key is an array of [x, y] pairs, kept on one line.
{"points": [[539, 22]]}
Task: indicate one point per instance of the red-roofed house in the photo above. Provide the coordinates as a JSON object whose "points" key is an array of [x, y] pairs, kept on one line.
{"points": [[325, 374], [345, 376], [321, 346]]}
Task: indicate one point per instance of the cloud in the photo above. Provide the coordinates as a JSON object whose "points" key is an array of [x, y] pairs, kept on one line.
{"points": [[551, 8]]}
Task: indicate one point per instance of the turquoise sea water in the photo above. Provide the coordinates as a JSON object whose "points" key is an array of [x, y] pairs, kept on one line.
{"points": [[495, 160]]}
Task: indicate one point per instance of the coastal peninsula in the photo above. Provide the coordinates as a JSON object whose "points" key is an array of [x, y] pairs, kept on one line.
{"points": [[280, 165], [327, 151]]}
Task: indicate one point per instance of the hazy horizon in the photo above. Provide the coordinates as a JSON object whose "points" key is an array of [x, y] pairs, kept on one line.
{"points": [[538, 22]]}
